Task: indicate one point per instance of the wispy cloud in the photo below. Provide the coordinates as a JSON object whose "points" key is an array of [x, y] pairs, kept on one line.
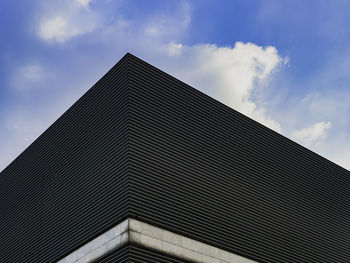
{"points": [[20, 129], [30, 77], [32, 73], [165, 25], [313, 134]]}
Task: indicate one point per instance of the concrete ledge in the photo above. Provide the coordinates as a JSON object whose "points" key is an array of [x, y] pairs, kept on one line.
{"points": [[131, 230], [101, 245]]}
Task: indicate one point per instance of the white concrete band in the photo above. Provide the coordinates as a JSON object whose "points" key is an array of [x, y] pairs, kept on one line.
{"points": [[101, 245], [155, 238]]}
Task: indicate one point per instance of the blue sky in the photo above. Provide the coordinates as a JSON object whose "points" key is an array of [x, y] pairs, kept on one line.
{"points": [[283, 63]]}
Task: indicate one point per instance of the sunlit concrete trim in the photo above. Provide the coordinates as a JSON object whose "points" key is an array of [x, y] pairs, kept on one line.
{"points": [[101, 245], [156, 238], [179, 246]]}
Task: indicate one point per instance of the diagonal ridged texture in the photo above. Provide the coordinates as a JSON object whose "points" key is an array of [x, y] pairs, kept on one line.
{"points": [[142, 144], [205, 171], [71, 183]]}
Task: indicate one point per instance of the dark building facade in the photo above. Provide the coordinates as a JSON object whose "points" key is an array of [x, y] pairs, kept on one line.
{"points": [[144, 168]]}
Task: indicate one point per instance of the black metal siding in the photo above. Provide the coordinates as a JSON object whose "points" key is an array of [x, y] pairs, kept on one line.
{"points": [[143, 144], [205, 171], [71, 183]]}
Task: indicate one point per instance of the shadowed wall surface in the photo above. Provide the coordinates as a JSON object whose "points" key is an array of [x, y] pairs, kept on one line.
{"points": [[71, 183]]}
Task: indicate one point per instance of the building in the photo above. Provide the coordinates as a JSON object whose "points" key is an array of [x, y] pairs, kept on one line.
{"points": [[144, 168]]}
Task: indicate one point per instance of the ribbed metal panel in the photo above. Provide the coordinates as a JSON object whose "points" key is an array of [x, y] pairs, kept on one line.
{"points": [[205, 171], [136, 254], [71, 183], [142, 144]]}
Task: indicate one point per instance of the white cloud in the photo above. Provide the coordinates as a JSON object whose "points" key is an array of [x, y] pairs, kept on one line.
{"points": [[56, 28], [70, 19], [313, 134], [336, 149], [286, 61], [84, 2], [229, 74], [174, 49]]}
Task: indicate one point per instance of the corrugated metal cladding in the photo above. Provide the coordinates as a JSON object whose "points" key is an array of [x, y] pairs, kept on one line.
{"points": [[71, 183], [142, 144], [136, 254], [205, 171]]}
